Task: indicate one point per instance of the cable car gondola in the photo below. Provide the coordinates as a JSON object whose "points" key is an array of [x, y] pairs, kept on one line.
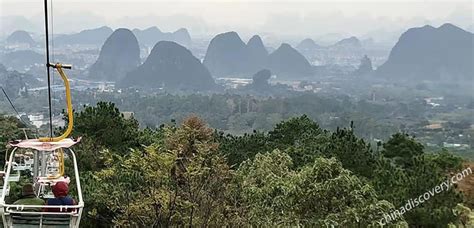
{"points": [[42, 160]]}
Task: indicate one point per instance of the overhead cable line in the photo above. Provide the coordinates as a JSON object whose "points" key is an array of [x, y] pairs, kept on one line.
{"points": [[13, 106]]}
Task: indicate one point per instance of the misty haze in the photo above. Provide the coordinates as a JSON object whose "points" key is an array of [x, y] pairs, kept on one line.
{"points": [[237, 113]]}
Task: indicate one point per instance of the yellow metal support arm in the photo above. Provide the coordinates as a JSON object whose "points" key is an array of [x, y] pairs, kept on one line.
{"points": [[70, 114]]}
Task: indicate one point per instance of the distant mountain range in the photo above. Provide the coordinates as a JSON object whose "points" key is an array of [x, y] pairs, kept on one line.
{"points": [[425, 53], [146, 37], [228, 55], [309, 44], [153, 35], [345, 52], [288, 62], [444, 53], [20, 37], [12, 82], [351, 42], [257, 53], [119, 55], [95, 36], [170, 66], [19, 60], [15, 83]]}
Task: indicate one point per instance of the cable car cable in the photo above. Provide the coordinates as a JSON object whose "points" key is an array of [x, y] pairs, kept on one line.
{"points": [[13, 106], [53, 59]]}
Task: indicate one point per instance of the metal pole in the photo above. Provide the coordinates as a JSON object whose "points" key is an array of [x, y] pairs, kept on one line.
{"points": [[6, 186], [44, 156], [79, 189], [47, 67], [35, 164]]}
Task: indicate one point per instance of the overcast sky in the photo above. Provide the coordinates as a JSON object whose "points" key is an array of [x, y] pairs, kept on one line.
{"points": [[315, 18]]}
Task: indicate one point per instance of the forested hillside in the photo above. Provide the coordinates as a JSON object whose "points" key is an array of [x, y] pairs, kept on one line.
{"points": [[297, 174], [261, 113]]}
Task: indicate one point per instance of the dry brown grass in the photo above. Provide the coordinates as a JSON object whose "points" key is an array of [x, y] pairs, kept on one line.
{"points": [[467, 186]]}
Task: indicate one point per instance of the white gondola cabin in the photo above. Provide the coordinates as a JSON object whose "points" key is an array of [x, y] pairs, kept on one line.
{"points": [[46, 170]]}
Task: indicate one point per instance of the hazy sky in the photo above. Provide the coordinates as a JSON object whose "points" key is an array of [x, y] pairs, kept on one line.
{"points": [[313, 18]]}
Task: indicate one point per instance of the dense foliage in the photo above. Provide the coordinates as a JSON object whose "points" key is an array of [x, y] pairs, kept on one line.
{"points": [[296, 174], [184, 179], [9, 130]]}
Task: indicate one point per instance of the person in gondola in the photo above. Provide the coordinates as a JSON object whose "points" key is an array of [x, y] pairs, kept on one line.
{"points": [[28, 197], [60, 191]]}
